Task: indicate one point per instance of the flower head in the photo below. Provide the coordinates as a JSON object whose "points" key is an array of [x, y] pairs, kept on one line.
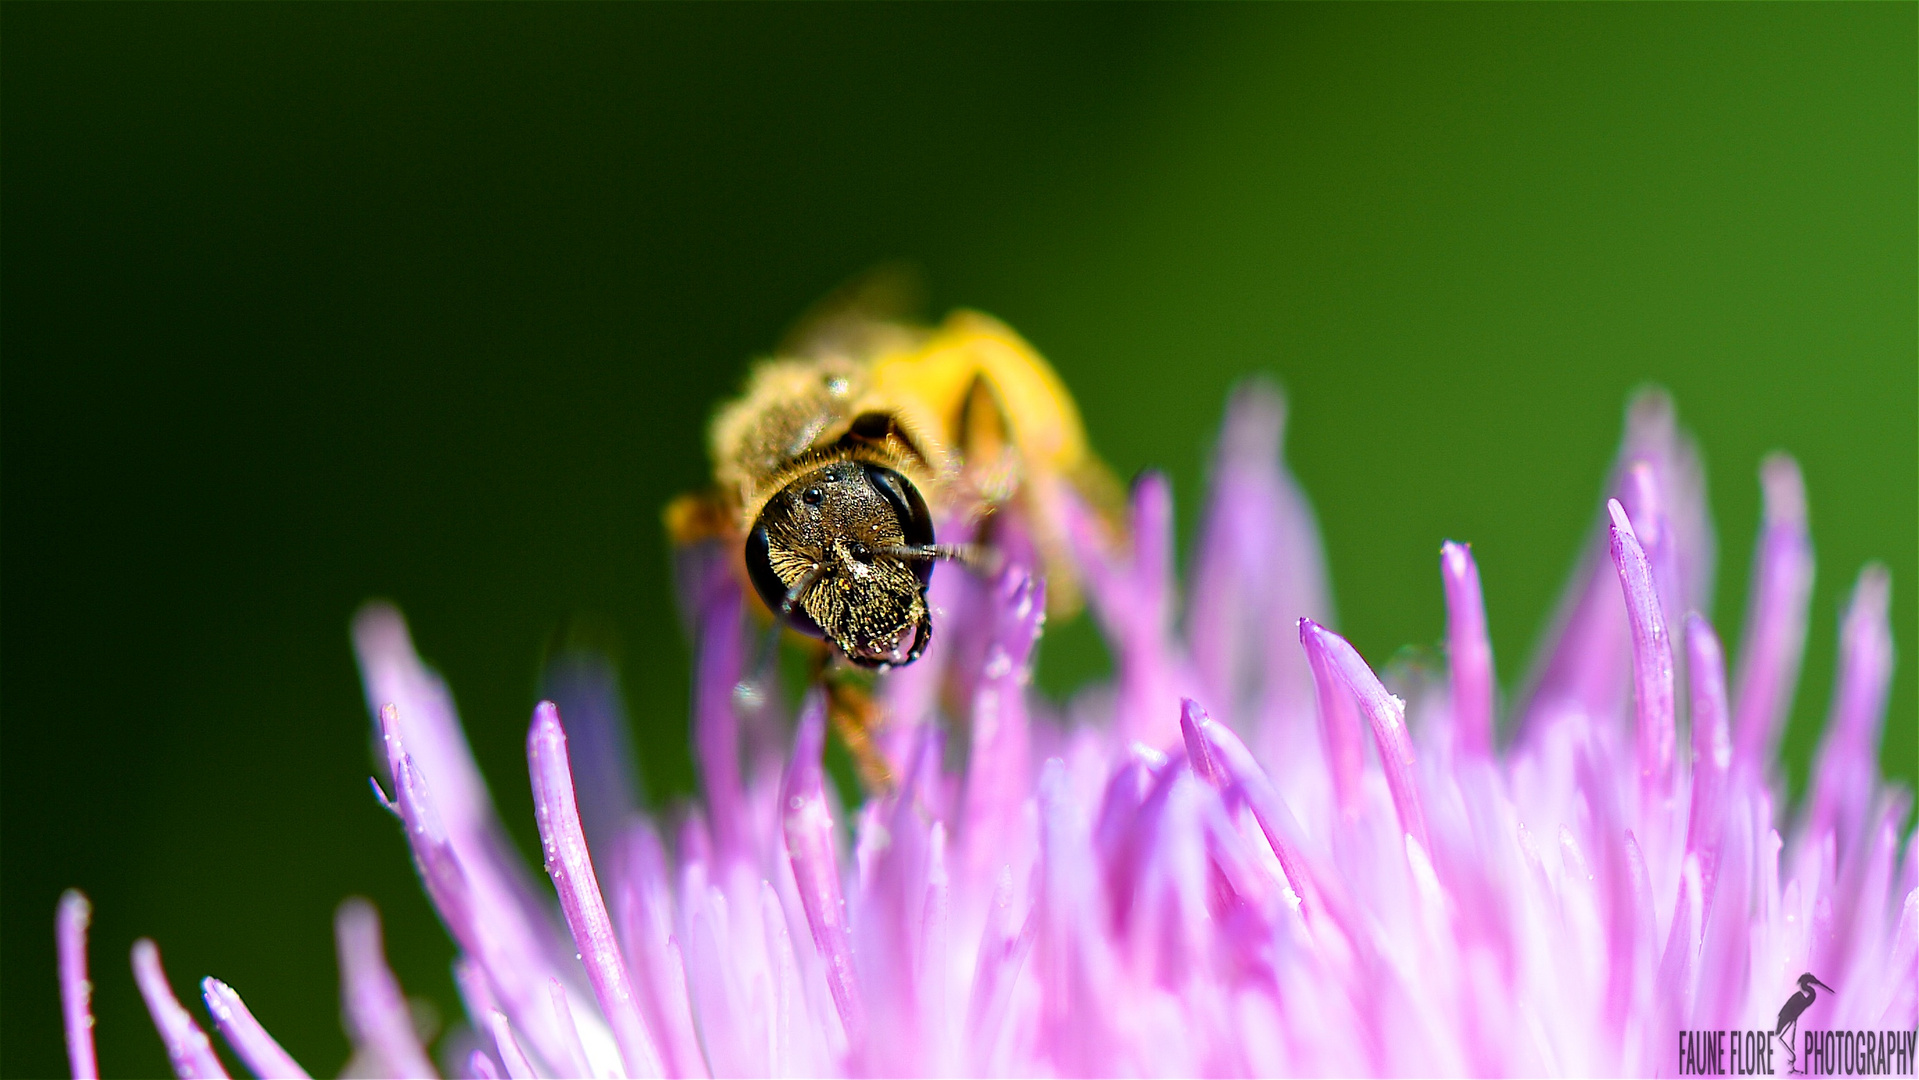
{"points": [[1246, 855]]}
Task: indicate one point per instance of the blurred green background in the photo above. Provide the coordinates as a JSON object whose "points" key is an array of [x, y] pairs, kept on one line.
{"points": [[307, 304]]}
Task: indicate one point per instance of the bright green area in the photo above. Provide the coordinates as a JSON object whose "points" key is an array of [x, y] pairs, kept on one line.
{"points": [[308, 304]]}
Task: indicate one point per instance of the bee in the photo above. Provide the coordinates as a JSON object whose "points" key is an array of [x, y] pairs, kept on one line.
{"points": [[853, 447]]}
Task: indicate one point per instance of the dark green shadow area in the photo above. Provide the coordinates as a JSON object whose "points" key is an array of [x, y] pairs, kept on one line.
{"points": [[308, 304]]}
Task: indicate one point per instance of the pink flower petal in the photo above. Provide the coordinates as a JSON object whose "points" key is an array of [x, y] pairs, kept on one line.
{"points": [[262, 1053], [1711, 749], [808, 826], [1384, 713], [1653, 718], [1468, 650], [377, 1016], [511, 1055], [76, 990], [187, 1046], [480, 1067], [1847, 762], [1258, 564], [1775, 635], [573, 878], [716, 599], [1339, 721]]}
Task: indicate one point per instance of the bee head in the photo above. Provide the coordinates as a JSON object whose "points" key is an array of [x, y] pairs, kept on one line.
{"points": [[831, 554]]}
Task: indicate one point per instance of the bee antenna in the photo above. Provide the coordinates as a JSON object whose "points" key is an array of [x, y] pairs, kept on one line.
{"points": [[981, 560]]}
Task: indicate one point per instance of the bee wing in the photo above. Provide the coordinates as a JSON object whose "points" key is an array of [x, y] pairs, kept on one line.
{"points": [[873, 313]]}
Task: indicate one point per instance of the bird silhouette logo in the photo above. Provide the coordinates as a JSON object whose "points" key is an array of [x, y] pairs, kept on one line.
{"points": [[1788, 1027]]}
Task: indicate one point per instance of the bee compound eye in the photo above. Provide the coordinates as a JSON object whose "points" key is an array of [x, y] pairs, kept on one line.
{"points": [[767, 583], [916, 522]]}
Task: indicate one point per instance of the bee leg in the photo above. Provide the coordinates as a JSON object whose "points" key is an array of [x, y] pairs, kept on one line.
{"points": [[856, 716], [691, 519], [986, 442], [922, 636]]}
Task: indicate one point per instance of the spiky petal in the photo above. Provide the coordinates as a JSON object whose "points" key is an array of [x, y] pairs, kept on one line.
{"points": [[564, 844], [261, 1052], [1652, 666], [1848, 757], [376, 1011], [808, 826], [1711, 750], [1468, 650], [1385, 715], [1775, 636], [1134, 886], [76, 990], [187, 1045]]}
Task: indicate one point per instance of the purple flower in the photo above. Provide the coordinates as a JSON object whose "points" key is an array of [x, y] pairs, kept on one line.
{"points": [[1247, 855]]}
